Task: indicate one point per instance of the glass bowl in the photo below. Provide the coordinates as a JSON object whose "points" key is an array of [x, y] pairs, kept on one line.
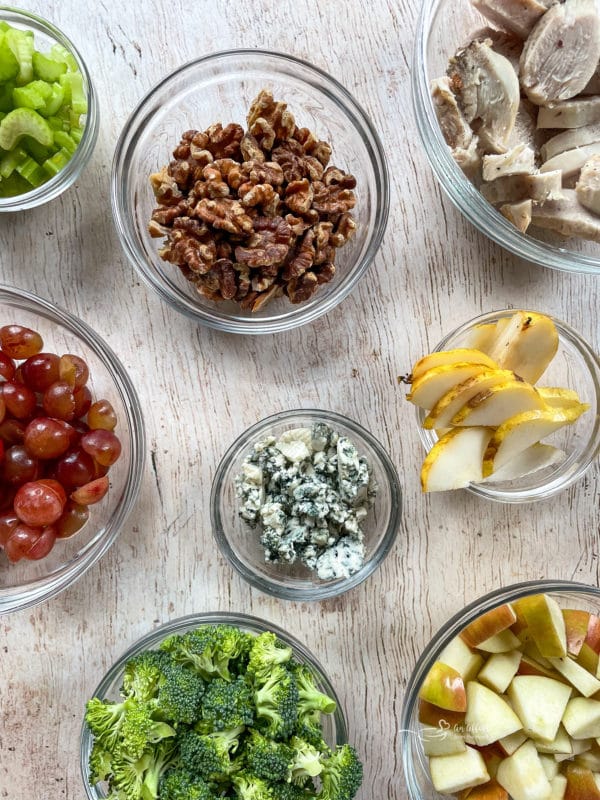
{"points": [[46, 35], [575, 366], [334, 725], [567, 593], [27, 583], [444, 26], [220, 87], [240, 543]]}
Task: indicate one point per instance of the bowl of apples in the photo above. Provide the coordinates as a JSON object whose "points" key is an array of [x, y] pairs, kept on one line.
{"points": [[508, 407], [505, 700]]}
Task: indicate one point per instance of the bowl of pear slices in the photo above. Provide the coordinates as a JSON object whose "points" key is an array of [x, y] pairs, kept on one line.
{"points": [[508, 407]]}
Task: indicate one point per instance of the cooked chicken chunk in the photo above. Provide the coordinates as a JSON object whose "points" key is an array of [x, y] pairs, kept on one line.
{"points": [[518, 213], [515, 188], [520, 160], [588, 185], [570, 113], [571, 161], [455, 129], [567, 216], [469, 159], [567, 140], [517, 16], [487, 89], [561, 52]]}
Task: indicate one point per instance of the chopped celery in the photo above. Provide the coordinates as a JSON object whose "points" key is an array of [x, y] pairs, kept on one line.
{"points": [[6, 96], [63, 140], [24, 122], [54, 102], [3, 114], [32, 95], [56, 123], [21, 44], [9, 66], [47, 68], [36, 150], [55, 163], [10, 161], [32, 172], [76, 134], [61, 54], [72, 83], [14, 185]]}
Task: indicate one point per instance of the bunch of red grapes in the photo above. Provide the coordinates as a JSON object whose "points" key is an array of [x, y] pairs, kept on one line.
{"points": [[56, 445]]}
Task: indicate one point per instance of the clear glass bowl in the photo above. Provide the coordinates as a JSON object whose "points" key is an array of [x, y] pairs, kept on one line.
{"points": [[443, 26], [46, 34], [220, 87], [568, 595], [27, 583], [575, 366], [334, 725], [240, 543]]}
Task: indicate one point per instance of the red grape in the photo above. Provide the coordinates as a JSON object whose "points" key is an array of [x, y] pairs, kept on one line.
{"points": [[83, 401], [103, 446], [19, 342], [72, 520], [91, 493], [19, 467], [43, 545], [75, 469], [12, 431], [59, 402], [73, 370], [102, 415], [39, 502], [8, 522], [40, 371], [47, 438], [7, 367], [20, 542], [20, 401]]}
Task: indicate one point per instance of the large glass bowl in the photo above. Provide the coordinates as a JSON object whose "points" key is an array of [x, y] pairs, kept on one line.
{"points": [[27, 583], [334, 725], [46, 35], [221, 87], [567, 594], [575, 366], [443, 26], [240, 543]]}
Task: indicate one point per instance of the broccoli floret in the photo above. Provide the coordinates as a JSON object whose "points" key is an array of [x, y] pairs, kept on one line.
{"points": [[180, 692], [99, 764], [291, 791], [310, 698], [250, 787], [178, 784], [226, 705], [342, 774], [212, 650], [208, 755], [309, 728], [142, 675], [128, 776], [267, 651], [127, 726], [276, 703], [160, 759], [268, 759], [306, 762]]}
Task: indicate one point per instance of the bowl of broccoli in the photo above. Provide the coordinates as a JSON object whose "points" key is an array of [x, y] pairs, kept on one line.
{"points": [[217, 706]]}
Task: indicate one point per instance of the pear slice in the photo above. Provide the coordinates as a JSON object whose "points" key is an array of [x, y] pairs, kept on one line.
{"points": [[555, 397], [500, 402], [454, 356], [455, 460], [533, 459], [451, 403], [526, 345], [427, 389], [521, 431], [482, 337]]}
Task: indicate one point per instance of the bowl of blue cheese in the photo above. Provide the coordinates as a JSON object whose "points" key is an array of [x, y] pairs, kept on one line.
{"points": [[305, 504]]}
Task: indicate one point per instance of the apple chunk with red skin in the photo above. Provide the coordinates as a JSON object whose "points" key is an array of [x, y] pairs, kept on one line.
{"points": [[444, 687], [580, 784], [576, 627], [488, 625]]}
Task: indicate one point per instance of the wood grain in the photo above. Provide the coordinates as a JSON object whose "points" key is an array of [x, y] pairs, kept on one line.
{"points": [[200, 388]]}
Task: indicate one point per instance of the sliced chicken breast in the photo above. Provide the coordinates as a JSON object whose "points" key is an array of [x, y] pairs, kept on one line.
{"points": [[518, 213], [455, 129], [515, 188], [569, 140], [588, 185], [574, 113], [520, 160], [571, 161], [567, 216], [517, 16]]}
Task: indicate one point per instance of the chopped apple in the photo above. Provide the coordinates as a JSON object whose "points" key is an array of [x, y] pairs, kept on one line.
{"points": [[580, 678], [580, 784], [559, 786], [588, 659], [429, 387], [488, 717], [512, 742], [556, 397], [444, 687], [540, 704], [441, 741], [451, 403], [499, 670], [455, 460], [523, 776], [590, 759], [549, 764], [497, 404], [444, 358], [487, 791], [459, 655], [519, 432], [576, 626], [535, 458], [593, 633], [530, 666], [489, 624], [561, 744], [546, 624], [501, 642], [582, 718], [578, 746], [435, 716], [531, 649], [452, 774], [527, 344]]}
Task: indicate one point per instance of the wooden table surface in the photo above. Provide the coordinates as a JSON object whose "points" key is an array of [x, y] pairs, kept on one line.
{"points": [[433, 272]]}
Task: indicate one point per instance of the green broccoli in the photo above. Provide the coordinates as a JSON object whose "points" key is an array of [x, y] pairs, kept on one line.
{"points": [[291, 791], [226, 705], [209, 754], [142, 674], [276, 703], [306, 762], [266, 652], [310, 729], [180, 693], [160, 759], [100, 763], [212, 650], [179, 784], [342, 774], [268, 759], [249, 787], [310, 698], [128, 776], [127, 726]]}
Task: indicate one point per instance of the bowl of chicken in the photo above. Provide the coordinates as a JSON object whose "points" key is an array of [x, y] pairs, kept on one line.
{"points": [[507, 100]]}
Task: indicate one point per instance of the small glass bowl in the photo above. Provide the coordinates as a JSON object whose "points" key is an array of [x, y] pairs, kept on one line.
{"points": [[442, 28], [46, 34], [240, 543], [334, 725], [575, 366], [28, 583], [568, 594], [221, 87]]}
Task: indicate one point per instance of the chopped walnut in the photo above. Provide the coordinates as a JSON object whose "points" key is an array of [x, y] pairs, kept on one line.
{"points": [[252, 215]]}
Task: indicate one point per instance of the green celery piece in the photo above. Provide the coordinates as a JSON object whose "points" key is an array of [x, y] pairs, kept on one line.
{"points": [[37, 150], [32, 172], [10, 161], [72, 83], [74, 121], [47, 68], [62, 55], [32, 95], [24, 122], [54, 101], [6, 96], [62, 139], [2, 115], [21, 44], [56, 123], [54, 164], [9, 66], [76, 134], [13, 185]]}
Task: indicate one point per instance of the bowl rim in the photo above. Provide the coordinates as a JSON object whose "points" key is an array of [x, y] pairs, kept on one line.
{"points": [[326, 590], [150, 639], [448, 630], [463, 194], [557, 484], [212, 317], [46, 587], [65, 178]]}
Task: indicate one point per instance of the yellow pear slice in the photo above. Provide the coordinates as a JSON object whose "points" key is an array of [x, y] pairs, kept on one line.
{"points": [[526, 345], [450, 404], [498, 403], [455, 356], [482, 336], [535, 458], [455, 460], [555, 397], [524, 429], [431, 385]]}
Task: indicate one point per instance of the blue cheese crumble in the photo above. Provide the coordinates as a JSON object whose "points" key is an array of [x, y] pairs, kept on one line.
{"points": [[308, 492]]}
